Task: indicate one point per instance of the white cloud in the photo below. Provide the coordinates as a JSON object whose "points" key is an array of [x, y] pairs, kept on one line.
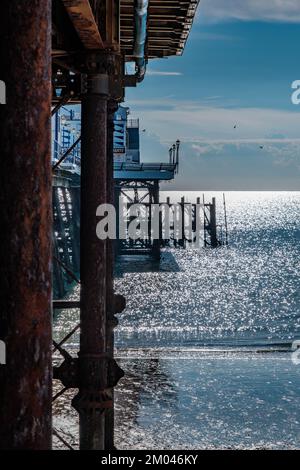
{"points": [[198, 121], [208, 36], [264, 10], [239, 166], [285, 152], [161, 73], [206, 148], [262, 153], [237, 142]]}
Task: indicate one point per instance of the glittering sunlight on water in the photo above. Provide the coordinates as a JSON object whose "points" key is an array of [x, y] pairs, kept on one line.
{"points": [[206, 334], [246, 293]]}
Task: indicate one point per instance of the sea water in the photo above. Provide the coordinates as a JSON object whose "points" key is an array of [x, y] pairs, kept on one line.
{"points": [[206, 337]]}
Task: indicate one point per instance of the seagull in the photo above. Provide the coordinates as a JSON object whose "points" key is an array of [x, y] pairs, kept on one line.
{"points": [[234, 127], [261, 146]]}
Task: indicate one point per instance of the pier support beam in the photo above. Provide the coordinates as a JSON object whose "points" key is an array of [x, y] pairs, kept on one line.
{"points": [[25, 247], [210, 224], [91, 400], [213, 224], [111, 319], [155, 198], [98, 372]]}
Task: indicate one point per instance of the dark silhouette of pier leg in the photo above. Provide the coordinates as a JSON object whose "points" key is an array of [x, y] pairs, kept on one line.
{"points": [[213, 224], [182, 205], [98, 372], [155, 199], [26, 218], [91, 399], [210, 224], [111, 319], [117, 193]]}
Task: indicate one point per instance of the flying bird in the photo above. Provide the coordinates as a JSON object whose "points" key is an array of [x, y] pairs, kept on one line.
{"points": [[235, 126], [261, 146]]}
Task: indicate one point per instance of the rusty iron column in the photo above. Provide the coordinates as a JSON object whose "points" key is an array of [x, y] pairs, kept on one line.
{"points": [[91, 400], [111, 319], [26, 221], [115, 302], [97, 371]]}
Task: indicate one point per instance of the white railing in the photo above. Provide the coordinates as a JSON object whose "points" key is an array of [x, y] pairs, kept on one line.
{"points": [[133, 123]]}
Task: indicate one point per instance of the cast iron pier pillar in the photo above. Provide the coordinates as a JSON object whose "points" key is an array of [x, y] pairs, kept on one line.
{"points": [[91, 400], [26, 219], [111, 319], [98, 373]]}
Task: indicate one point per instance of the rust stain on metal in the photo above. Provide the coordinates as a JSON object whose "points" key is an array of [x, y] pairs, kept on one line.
{"points": [[26, 215], [91, 399], [84, 22]]}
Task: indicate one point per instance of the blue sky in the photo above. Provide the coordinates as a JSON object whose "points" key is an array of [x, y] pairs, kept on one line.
{"points": [[237, 69]]}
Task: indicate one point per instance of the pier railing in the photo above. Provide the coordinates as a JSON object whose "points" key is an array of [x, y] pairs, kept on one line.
{"points": [[133, 123], [119, 166]]}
